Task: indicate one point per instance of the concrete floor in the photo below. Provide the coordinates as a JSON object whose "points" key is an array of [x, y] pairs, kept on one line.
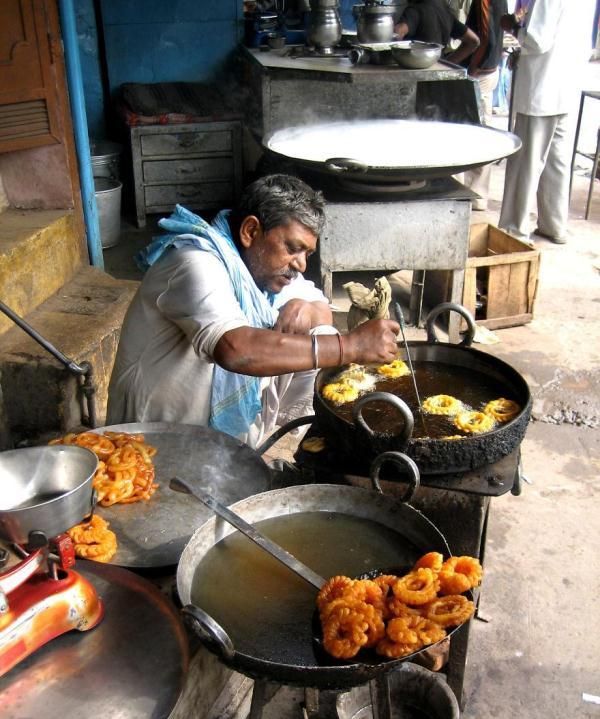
{"points": [[536, 651]]}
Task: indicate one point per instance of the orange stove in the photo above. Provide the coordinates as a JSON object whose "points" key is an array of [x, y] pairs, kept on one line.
{"points": [[42, 597]]}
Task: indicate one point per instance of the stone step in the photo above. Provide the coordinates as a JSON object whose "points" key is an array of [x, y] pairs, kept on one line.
{"points": [[38, 396], [40, 250]]}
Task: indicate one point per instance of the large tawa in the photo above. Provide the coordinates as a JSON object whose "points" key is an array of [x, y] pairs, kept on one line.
{"points": [[153, 534]]}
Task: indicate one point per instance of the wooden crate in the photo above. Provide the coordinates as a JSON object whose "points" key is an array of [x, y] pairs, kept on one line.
{"points": [[503, 269]]}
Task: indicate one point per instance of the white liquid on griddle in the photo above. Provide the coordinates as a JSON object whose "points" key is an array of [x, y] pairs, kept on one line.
{"points": [[395, 143]]}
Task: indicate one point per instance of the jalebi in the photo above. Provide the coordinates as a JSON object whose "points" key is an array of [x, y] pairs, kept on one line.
{"points": [[474, 422], [450, 611], [314, 444], [334, 588], [417, 587], [94, 540], [431, 560], [442, 404], [394, 369], [459, 574], [340, 392], [502, 409], [345, 631]]}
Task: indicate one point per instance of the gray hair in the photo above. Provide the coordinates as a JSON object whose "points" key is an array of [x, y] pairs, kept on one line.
{"points": [[277, 200]]}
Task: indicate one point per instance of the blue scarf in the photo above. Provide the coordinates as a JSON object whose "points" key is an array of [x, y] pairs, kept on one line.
{"points": [[235, 398]]}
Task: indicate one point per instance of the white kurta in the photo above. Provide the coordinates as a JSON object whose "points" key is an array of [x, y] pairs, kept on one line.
{"points": [[164, 365]]}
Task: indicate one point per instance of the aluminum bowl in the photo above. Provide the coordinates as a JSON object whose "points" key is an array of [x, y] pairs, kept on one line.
{"points": [[44, 489], [416, 55]]}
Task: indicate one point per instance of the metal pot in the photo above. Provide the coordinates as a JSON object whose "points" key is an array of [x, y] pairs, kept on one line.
{"points": [[45, 490], [416, 55], [433, 456], [374, 21], [391, 151], [325, 27], [304, 666]]}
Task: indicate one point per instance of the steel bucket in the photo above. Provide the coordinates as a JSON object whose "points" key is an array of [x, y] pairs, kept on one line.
{"points": [[45, 489]]}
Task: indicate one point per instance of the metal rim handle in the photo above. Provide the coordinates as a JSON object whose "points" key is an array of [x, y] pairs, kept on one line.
{"points": [[345, 164], [449, 307], [402, 461], [209, 631], [399, 404]]}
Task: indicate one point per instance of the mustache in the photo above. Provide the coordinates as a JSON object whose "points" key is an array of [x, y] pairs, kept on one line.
{"points": [[289, 274]]}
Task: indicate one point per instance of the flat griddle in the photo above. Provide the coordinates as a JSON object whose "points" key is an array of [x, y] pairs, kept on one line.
{"points": [[153, 534]]}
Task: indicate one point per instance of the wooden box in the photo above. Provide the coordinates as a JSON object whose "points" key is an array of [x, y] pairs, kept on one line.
{"points": [[501, 277]]}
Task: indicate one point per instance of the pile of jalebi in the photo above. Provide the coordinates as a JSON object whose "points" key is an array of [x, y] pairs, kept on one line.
{"points": [[94, 540], [125, 471], [397, 615]]}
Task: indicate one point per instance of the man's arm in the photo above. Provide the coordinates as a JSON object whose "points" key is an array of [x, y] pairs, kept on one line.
{"points": [[265, 353], [298, 316], [542, 25], [469, 42]]}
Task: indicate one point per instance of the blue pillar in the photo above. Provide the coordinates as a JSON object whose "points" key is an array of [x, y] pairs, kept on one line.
{"points": [[82, 143]]}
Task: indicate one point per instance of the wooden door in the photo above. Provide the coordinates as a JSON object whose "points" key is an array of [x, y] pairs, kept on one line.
{"points": [[29, 108]]}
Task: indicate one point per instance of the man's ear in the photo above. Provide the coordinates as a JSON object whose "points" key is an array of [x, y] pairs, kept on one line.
{"points": [[249, 231]]}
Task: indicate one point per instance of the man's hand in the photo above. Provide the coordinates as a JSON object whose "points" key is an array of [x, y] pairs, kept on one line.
{"points": [[298, 317], [373, 341]]}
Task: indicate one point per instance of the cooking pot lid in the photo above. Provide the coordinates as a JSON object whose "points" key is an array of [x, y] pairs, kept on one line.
{"points": [[154, 533], [395, 144]]}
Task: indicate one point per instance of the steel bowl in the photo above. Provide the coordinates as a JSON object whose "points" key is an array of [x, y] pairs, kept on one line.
{"points": [[44, 489], [416, 55], [275, 41]]}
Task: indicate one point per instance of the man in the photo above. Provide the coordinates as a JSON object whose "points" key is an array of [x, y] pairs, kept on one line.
{"points": [[484, 19], [214, 314], [433, 21], [555, 44]]}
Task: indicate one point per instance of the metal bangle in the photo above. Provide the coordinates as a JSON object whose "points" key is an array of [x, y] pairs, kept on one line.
{"points": [[315, 351], [341, 360]]}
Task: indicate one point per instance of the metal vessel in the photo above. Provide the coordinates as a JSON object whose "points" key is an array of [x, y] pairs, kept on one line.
{"points": [[325, 27], [374, 21]]}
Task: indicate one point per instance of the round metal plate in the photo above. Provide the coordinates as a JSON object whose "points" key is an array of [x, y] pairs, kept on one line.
{"points": [[131, 666], [153, 534]]}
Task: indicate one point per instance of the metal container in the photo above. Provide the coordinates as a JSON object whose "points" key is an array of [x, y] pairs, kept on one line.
{"points": [[414, 691], [374, 21], [106, 159], [325, 27], [108, 201], [416, 55], [45, 489]]}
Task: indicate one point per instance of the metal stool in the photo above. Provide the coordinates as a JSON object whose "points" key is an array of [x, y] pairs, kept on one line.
{"points": [[595, 95]]}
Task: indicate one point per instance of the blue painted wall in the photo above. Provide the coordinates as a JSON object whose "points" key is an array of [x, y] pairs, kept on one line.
{"points": [[168, 40]]}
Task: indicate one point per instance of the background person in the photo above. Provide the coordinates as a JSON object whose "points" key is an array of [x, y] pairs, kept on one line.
{"points": [[555, 44], [433, 21], [484, 20], [224, 331]]}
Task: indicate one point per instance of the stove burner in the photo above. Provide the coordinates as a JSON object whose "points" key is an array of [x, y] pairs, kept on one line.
{"points": [[379, 188]]}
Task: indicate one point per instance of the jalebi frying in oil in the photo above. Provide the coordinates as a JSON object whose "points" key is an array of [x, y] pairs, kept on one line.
{"points": [[442, 404], [474, 422], [502, 409], [396, 615], [394, 369]]}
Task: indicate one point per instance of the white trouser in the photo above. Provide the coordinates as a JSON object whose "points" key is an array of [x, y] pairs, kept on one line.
{"points": [[541, 167], [479, 178], [285, 397]]}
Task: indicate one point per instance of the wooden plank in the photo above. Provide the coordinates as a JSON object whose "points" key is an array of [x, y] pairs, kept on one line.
{"points": [[516, 298], [532, 283], [497, 291], [478, 239], [502, 259], [498, 323]]}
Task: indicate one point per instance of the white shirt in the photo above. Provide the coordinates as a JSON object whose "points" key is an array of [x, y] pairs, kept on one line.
{"points": [[555, 44], [164, 365]]}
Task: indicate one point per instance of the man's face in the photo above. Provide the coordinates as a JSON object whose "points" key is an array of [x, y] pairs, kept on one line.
{"points": [[275, 257]]}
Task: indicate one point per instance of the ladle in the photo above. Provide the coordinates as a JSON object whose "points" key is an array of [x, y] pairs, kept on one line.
{"points": [[178, 485]]}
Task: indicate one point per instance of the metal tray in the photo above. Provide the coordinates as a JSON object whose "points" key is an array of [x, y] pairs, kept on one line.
{"points": [[153, 534]]}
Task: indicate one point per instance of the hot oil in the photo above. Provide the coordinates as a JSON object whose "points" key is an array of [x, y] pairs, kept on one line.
{"points": [[474, 389], [268, 610]]}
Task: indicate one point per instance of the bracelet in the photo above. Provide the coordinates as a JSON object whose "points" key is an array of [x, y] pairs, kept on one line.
{"points": [[341, 344], [315, 351]]}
